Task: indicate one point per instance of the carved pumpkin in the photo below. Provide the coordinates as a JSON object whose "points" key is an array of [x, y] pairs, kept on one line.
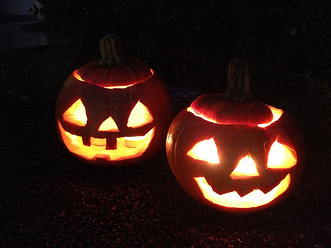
{"points": [[114, 111], [233, 153]]}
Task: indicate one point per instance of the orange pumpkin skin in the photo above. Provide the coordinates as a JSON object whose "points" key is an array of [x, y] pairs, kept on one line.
{"points": [[235, 131], [108, 93], [132, 71], [233, 142]]}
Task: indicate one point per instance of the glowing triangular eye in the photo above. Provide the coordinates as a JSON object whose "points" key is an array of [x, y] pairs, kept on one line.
{"points": [[205, 150], [108, 125], [139, 116], [281, 156], [76, 114], [245, 168]]}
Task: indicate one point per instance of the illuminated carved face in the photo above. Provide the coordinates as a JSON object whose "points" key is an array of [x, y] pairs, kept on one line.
{"points": [[111, 125], [234, 167], [103, 138]]}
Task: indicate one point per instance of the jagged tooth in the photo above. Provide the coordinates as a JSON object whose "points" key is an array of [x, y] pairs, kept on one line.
{"points": [[245, 191]]}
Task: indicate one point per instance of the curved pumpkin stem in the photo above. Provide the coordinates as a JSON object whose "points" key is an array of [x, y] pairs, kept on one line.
{"points": [[111, 51], [238, 81]]}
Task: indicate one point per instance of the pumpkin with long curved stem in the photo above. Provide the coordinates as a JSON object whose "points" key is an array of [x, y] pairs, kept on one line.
{"points": [[233, 153], [114, 111]]}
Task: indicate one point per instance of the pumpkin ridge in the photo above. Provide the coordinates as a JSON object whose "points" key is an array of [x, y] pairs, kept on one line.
{"points": [[95, 112], [140, 78], [223, 151], [103, 76], [112, 68], [218, 109]]}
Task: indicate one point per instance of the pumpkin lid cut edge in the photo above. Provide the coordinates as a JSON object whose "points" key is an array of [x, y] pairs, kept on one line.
{"points": [[114, 68]]}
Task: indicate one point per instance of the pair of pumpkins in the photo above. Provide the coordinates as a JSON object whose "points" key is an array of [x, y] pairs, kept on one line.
{"points": [[227, 151]]}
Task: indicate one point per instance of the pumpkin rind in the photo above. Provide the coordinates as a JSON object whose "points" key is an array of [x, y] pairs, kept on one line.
{"points": [[132, 72], [220, 110], [104, 98], [235, 128], [187, 129]]}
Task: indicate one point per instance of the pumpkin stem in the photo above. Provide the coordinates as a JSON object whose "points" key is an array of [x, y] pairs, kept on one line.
{"points": [[111, 51], [238, 81]]}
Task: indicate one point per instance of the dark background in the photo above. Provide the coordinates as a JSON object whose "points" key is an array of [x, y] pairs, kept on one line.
{"points": [[287, 44], [49, 198], [281, 39]]}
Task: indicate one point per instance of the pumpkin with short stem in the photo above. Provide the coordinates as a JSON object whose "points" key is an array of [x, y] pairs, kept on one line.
{"points": [[115, 111], [233, 153]]}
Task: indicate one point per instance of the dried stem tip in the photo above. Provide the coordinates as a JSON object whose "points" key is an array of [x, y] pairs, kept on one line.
{"points": [[111, 51], [238, 81]]}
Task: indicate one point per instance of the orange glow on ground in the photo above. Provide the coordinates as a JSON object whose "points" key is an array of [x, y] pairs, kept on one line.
{"points": [[255, 198]]}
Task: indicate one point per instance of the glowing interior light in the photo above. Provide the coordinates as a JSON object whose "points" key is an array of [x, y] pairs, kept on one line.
{"points": [[245, 168], [76, 114], [139, 116], [78, 77], [98, 142], [118, 86], [97, 149], [277, 113], [134, 141], [281, 156], [205, 150], [108, 125], [189, 109], [255, 198]]}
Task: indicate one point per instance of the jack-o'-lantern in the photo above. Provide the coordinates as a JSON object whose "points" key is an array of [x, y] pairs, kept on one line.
{"points": [[233, 153], [114, 111]]}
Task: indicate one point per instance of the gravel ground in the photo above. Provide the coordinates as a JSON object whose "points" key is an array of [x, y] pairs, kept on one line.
{"points": [[50, 199]]}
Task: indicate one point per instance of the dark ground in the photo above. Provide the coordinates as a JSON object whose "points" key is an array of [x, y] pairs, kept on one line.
{"points": [[50, 199]]}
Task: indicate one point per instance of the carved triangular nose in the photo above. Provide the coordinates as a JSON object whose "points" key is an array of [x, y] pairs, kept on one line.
{"points": [[246, 168]]}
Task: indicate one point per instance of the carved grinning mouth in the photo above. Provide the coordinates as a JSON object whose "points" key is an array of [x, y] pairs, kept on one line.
{"points": [[109, 142], [255, 198], [127, 147]]}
